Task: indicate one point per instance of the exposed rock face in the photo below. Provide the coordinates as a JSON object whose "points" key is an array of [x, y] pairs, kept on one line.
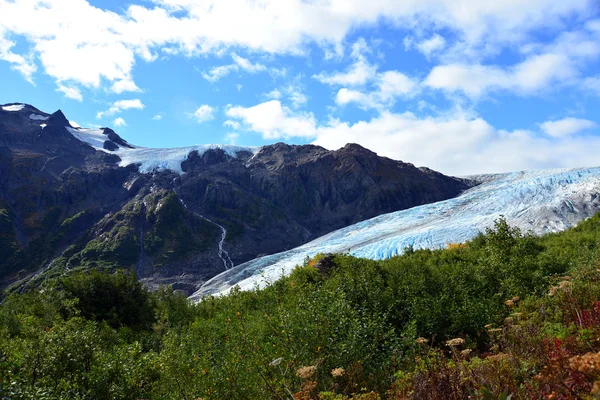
{"points": [[65, 205]]}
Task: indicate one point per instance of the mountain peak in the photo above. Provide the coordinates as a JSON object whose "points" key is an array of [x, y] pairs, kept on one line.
{"points": [[356, 148], [58, 118]]}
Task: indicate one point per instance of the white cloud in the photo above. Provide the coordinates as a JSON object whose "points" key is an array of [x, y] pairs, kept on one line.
{"points": [[86, 45], [545, 66], [247, 65], [124, 85], [203, 113], [231, 138], [293, 92], [386, 86], [216, 73], [118, 122], [431, 45], [121, 105], [157, 117], [357, 74], [232, 124], [535, 74], [273, 94], [70, 92], [274, 121], [24, 65], [567, 126], [459, 144]]}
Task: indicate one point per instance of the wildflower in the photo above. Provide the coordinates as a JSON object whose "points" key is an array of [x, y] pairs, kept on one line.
{"points": [[488, 326], [496, 330], [337, 372], [455, 342], [276, 362], [508, 320], [422, 340], [565, 285], [553, 290], [465, 353], [517, 315], [595, 389], [306, 372], [509, 303], [588, 363]]}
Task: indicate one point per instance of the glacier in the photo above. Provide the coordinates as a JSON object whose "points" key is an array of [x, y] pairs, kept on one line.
{"points": [[535, 201], [153, 159]]}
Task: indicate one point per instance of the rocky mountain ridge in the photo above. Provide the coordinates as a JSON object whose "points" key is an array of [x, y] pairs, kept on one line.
{"points": [[72, 198]]}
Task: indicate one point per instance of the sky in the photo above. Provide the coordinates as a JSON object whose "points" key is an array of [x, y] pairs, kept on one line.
{"points": [[459, 86]]}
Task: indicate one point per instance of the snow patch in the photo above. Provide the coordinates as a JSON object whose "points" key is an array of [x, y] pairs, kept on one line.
{"points": [[43, 125], [37, 117], [538, 201], [93, 137], [14, 107], [153, 160]]}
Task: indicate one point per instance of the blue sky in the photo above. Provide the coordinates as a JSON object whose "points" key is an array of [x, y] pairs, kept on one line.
{"points": [[461, 86]]}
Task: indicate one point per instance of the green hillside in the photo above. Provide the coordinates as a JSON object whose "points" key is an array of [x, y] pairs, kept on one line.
{"points": [[506, 314]]}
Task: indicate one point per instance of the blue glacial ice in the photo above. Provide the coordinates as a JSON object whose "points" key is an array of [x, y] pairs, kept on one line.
{"points": [[535, 201]]}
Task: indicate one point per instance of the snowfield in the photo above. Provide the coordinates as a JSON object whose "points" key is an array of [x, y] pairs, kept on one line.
{"points": [[537, 201], [152, 160], [13, 107]]}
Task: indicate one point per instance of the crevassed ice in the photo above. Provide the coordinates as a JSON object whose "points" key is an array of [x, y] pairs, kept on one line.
{"points": [[537, 201], [149, 159], [14, 107], [37, 117]]}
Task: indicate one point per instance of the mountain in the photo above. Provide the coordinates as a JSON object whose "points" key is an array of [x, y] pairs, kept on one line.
{"points": [[74, 198], [534, 201]]}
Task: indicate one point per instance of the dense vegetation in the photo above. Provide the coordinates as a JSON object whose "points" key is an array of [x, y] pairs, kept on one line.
{"points": [[506, 314]]}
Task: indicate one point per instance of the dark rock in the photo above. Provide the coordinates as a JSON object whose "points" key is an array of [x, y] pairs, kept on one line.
{"points": [[325, 264], [110, 146]]}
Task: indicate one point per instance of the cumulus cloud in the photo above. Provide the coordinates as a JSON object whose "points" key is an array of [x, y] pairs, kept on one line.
{"points": [[543, 67], [70, 92], [119, 122], [121, 105], [356, 74], [567, 126], [366, 87], [157, 117], [203, 113], [124, 85], [274, 121], [387, 87], [232, 124], [77, 42], [431, 45], [457, 142]]}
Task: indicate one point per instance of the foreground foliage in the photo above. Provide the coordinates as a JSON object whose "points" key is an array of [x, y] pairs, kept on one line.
{"points": [[507, 315]]}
